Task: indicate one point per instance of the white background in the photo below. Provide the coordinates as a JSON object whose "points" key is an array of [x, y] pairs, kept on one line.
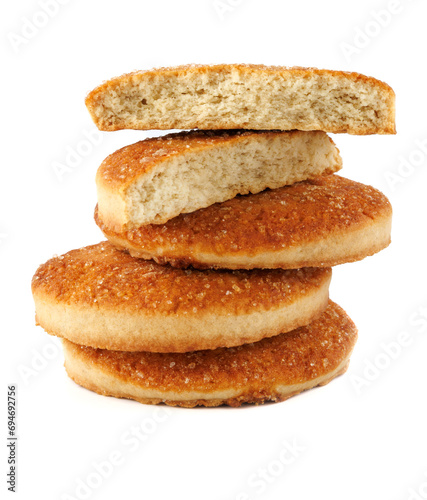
{"points": [[350, 442]]}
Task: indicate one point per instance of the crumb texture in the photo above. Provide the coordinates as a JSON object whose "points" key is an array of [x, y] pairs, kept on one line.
{"points": [[157, 179], [232, 96]]}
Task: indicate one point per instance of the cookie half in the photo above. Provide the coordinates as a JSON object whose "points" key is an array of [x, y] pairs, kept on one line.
{"points": [[157, 179], [322, 222], [272, 369], [101, 297], [247, 96]]}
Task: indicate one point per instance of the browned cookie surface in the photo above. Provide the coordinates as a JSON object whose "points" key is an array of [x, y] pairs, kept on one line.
{"points": [[103, 297]]}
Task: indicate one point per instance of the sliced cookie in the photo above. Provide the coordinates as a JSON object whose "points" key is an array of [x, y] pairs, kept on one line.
{"points": [[248, 96], [157, 179]]}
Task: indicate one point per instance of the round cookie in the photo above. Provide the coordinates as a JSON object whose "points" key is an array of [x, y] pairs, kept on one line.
{"points": [[315, 223], [101, 297], [272, 369]]}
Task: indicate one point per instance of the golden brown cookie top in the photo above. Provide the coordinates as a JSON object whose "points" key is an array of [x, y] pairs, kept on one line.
{"points": [[103, 277]]}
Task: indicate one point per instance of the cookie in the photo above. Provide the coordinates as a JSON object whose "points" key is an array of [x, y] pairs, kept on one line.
{"points": [[272, 369], [246, 96], [157, 179], [101, 297]]}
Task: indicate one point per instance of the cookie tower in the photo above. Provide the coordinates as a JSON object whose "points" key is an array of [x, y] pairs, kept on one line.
{"points": [[212, 286]]}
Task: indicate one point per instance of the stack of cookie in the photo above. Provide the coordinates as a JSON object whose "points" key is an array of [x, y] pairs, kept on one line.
{"points": [[213, 285]]}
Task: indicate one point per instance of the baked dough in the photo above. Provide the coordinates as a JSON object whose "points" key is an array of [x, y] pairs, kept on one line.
{"points": [[247, 96], [272, 369], [157, 179], [101, 297], [322, 222]]}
